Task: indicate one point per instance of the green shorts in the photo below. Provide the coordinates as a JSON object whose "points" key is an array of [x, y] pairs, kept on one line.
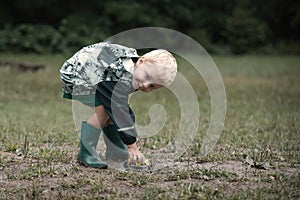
{"points": [[89, 100]]}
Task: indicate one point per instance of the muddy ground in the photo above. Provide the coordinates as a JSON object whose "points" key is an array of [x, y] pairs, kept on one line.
{"points": [[36, 177]]}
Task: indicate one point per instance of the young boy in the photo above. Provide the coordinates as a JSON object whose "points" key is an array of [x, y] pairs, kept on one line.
{"points": [[102, 76]]}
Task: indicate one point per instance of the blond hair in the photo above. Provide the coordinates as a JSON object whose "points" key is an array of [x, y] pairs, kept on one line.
{"points": [[166, 64]]}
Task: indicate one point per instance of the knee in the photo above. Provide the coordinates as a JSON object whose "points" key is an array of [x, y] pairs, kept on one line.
{"points": [[108, 122], [92, 120], [101, 124]]}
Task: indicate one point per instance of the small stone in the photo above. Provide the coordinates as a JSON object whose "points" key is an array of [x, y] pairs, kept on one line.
{"points": [[249, 161], [19, 152], [281, 158], [272, 178]]}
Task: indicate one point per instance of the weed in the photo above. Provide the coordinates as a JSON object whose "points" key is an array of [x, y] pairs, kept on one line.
{"points": [[202, 174]]}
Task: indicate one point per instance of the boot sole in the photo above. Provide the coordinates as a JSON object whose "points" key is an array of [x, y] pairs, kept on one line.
{"points": [[81, 162]]}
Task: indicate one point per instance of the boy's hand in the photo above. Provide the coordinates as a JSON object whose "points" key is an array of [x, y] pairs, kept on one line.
{"points": [[134, 154]]}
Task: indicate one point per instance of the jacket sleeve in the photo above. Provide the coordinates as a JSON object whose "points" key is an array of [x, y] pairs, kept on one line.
{"points": [[114, 96]]}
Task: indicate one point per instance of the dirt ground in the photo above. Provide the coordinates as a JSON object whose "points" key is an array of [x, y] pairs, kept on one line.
{"points": [[34, 178]]}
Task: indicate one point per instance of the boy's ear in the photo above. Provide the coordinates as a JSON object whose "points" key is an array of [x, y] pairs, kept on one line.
{"points": [[141, 60]]}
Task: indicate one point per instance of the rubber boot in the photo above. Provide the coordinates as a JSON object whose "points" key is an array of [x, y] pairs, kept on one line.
{"points": [[115, 148], [88, 143]]}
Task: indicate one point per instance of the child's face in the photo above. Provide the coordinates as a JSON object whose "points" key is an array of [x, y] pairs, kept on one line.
{"points": [[145, 77]]}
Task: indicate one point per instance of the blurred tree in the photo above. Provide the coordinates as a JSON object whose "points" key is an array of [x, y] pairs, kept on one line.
{"points": [[282, 16], [208, 19], [245, 32], [240, 24]]}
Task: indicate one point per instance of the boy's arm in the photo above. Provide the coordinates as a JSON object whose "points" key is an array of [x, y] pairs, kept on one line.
{"points": [[114, 96]]}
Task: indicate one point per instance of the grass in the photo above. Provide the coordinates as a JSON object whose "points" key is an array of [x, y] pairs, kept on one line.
{"points": [[262, 122]]}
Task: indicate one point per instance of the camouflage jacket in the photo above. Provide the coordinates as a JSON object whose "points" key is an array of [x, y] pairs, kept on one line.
{"points": [[99, 62]]}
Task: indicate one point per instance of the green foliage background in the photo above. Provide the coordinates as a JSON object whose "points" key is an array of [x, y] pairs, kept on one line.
{"points": [[221, 26]]}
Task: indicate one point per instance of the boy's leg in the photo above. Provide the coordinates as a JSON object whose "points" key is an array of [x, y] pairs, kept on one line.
{"points": [[115, 148], [88, 142], [100, 118]]}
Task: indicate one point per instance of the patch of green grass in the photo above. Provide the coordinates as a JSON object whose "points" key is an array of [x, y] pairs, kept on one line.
{"points": [[283, 188], [184, 191], [202, 174], [137, 179]]}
